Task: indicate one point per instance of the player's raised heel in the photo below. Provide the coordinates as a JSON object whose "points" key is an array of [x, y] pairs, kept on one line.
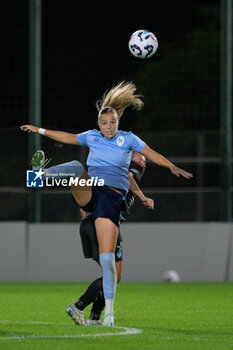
{"points": [[108, 319], [90, 322], [76, 314]]}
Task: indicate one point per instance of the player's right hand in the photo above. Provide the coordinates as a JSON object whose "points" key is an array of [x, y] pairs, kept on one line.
{"points": [[29, 128], [148, 202]]}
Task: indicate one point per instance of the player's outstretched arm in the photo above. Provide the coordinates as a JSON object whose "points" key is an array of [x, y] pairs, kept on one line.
{"points": [[162, 161], [134, 188], [61, 136]]}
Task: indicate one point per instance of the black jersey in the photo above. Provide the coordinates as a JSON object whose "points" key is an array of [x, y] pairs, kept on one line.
{"points": [[130, 197], [87, 226]]}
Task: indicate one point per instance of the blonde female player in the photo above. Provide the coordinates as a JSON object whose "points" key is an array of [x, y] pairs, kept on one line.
{"points": [[109, 158]]}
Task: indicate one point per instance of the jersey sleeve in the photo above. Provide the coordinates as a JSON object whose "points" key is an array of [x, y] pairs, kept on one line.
{"points": [[136, 144], [82, 138]]}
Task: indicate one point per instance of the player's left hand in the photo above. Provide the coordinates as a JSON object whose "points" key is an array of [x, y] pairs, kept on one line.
{"points": [[177, 171], [82, 212], [148, 202]]}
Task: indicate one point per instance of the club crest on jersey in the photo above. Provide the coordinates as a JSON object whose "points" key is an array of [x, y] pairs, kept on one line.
{"points": [[120, 141]]}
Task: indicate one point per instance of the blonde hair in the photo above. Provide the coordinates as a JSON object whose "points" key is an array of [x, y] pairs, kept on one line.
{"points": [[119, 98]]}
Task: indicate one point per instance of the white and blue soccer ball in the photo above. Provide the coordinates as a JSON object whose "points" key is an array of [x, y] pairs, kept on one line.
{"points": [[143, 44], [171, 276]]}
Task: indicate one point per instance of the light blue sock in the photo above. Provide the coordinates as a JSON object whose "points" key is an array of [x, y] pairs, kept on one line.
{"points": [[107, 262], [66, 170]]}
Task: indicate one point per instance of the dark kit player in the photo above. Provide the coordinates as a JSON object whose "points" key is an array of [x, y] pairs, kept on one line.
{"points": [[94, 293]]}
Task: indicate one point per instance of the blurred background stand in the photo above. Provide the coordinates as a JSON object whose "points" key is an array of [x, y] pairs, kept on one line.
{"points": [[34, 199], [226, 109]]}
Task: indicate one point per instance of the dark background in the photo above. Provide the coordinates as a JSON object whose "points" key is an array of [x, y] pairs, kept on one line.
{"points": [[84, 52]]}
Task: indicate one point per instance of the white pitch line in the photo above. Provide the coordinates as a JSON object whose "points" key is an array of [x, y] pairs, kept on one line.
{"points": [[127, 331]]}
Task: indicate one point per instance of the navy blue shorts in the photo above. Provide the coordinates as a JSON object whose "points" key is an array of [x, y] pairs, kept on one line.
{"points": [[105, 203]]}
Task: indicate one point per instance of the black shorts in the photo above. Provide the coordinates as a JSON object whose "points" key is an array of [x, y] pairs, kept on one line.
{"points": [[90, 243], [106, 203]]}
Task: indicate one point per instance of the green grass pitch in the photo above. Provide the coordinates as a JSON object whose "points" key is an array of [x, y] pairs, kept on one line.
{"points": [[170, 316]]}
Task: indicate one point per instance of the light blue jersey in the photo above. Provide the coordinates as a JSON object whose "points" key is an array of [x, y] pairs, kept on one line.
{"points": [[109, 159]]}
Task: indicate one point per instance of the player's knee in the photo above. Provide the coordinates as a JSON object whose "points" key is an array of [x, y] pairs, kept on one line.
{"points": [[75, 162], [99, 283], [77, 168], [118, 277], [107, 261]]}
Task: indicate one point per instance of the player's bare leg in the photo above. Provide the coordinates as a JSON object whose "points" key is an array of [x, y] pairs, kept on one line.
{"points": [[107, 234]]}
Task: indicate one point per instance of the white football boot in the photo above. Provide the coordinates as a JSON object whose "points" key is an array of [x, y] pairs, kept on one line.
{"points": [[90, 322], [76, 314], [38, 160], [108, 319]]}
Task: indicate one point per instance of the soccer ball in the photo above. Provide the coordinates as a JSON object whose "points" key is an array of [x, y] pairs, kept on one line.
{"points": [[143, 44], [171, 276]]}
